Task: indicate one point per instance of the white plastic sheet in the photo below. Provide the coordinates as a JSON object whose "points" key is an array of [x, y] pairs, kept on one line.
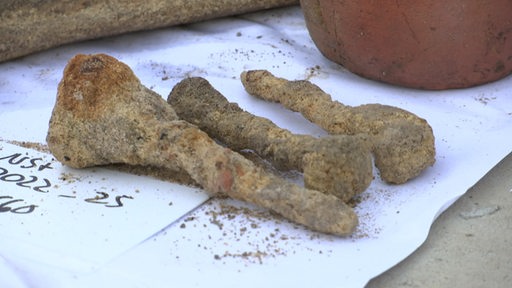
{"points": [[225, 243]]}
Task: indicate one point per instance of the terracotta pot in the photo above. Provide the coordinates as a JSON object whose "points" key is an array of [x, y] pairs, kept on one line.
{"points": [[429, 44]]}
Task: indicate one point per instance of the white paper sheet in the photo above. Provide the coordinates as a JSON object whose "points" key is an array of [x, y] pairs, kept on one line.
{"points": [[90, 215], [226, 243]]}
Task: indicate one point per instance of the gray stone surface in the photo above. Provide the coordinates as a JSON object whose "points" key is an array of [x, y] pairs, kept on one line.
{"points": [[469, 245]]}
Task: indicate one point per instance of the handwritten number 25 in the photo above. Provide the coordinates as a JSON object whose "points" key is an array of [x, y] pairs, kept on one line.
{"points": [[103, 196]]}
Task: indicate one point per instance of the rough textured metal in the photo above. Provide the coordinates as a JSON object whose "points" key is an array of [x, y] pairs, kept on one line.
{"points": [[339, 165], [104, 115], [403, 143]]}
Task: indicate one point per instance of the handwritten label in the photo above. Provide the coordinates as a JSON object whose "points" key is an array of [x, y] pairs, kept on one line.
{"points": [[29, 181], [89, 214], [41, 185]]}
